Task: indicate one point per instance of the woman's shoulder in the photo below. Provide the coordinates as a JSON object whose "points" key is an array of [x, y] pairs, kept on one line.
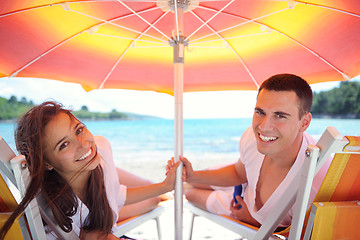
{"points": [[103, 147], [102, 142], [101, 139]]}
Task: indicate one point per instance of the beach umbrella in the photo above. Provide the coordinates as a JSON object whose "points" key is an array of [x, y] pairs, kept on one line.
{"points": [[176, 46]]}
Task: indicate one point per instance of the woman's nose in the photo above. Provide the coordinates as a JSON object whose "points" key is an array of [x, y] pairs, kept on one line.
{"points": [[81, 141]]}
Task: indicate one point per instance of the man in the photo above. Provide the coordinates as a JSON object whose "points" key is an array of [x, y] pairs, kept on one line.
{"points": [[271, 152]]}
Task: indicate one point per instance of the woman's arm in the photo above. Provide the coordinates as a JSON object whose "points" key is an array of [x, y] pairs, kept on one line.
{"points": [[131, 180], [137, 194]]}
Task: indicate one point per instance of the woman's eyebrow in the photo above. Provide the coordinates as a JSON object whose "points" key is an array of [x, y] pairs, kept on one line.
{"points": [[76, 126]]}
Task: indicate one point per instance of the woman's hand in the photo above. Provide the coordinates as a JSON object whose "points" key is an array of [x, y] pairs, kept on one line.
{"points": [[171, 174], [240, 212], [188, 171]]}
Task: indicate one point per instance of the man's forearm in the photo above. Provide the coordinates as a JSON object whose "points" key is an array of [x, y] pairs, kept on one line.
{"points": [[226, 176]]}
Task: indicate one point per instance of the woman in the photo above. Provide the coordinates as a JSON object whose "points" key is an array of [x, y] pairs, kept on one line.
{"points": [[75, 172]]}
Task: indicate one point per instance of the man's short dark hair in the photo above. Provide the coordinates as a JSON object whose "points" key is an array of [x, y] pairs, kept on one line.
{"points": [[291, 82]]}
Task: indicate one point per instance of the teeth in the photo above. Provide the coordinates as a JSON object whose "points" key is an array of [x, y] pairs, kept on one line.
{"points": [[267, 139], [85, 155]]}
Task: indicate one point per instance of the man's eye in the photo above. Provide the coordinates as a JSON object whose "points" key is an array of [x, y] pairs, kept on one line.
{"points": [[280, 116], [259, 112]]}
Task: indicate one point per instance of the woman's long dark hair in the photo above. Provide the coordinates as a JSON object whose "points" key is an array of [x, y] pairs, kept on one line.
{"points": [[58, 193]]}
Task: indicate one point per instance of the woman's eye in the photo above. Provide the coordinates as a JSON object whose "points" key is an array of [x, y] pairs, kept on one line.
{"points": [[80, 130], [63, 145]]}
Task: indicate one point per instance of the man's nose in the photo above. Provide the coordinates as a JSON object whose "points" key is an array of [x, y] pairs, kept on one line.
{"points": [[266, 123]]}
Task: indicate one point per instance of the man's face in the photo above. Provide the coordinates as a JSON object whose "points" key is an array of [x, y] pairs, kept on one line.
{"points": [[276, 124]]}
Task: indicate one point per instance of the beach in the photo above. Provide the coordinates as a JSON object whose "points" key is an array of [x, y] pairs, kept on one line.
{"points": [[204, 229], [143, 148]]}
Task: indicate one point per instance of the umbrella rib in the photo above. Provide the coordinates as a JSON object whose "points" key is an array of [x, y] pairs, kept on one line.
{"points": [[147, 22], [102, 20], [45, 53], [328, 7], [127, 49], [314, 53], [299, 43], [36, 7], [176, 21], [217, 13], [121, 17], [50, 5], [128, 38], [228, 38], [237, 25], [61, 43], [232, 48]]}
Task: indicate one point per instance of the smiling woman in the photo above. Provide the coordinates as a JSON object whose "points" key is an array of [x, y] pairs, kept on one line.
{"points": [[75, 172]]}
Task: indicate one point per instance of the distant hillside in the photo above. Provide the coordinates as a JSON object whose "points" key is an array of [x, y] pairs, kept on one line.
{"points": [[11, 109], [340, 102]]}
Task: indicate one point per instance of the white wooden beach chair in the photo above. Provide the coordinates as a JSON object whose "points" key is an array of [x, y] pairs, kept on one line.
{"points": [[12, 168], [298, 191], [133, 222]]}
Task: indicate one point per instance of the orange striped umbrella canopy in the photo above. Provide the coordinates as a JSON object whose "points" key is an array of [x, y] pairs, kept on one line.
{"points": [[229, 45]]}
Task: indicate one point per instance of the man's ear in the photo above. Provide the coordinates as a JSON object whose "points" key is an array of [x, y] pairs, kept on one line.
{"points": [[305, 121]]}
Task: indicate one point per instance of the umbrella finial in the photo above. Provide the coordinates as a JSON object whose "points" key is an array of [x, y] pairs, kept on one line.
{"points": [[170, 5]]}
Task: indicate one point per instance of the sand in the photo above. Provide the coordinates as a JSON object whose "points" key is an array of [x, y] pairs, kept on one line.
{"points": [[203, 228]]}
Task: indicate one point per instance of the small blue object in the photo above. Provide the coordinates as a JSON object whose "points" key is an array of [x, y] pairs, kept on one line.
{"points": [[237, 192]]}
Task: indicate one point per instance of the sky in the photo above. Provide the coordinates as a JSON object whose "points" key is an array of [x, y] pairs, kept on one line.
{"points": [[219, 104]]}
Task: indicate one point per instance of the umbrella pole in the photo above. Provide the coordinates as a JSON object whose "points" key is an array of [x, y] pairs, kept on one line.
{"points": [[178, 94], [178, 149]]}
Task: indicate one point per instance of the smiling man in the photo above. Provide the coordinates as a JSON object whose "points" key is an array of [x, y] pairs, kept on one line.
{"points": [[271, 153]]}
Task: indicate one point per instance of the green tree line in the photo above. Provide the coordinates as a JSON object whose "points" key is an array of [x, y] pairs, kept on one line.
{"points": [[342, 101], [11, 109]]}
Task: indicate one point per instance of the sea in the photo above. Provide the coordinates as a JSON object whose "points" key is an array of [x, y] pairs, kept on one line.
{"points": [[149, 143]]}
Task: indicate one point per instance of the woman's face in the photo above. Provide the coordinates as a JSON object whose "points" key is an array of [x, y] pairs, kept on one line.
{"points": [[69, 147]]}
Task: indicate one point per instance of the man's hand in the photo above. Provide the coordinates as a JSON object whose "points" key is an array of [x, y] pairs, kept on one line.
{"points": [[240, 212], [188, 171]]}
